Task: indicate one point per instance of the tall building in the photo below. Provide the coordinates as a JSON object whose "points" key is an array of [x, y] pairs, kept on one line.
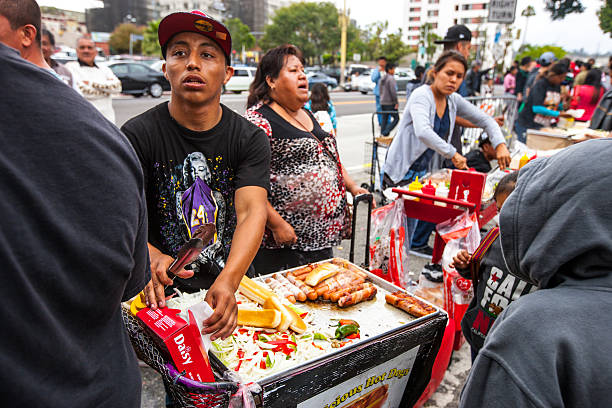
{"points": [[214, 8], [444, 13], [115, 12]]}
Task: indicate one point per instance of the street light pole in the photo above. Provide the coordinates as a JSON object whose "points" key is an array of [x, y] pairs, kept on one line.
{"points": [[343, 46]]}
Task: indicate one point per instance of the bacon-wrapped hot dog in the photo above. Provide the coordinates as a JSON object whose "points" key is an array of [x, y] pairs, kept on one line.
{"points": [[349, 267], [334, 296], [409, 304], [356, 297], [337, 282], [280, 289], [310, 292], [297, 293]]}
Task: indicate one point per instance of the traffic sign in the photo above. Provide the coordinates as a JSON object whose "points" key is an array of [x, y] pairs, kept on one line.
{"points": [[502, 11]]}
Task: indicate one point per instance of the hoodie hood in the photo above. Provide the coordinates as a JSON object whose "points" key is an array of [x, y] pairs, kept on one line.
{"points": [[556, 226]]}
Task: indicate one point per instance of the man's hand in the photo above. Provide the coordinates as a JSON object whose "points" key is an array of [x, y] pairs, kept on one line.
{"points": [[284, 234], [459, 161], [499, 120], [502, 156], [154, 291], [221, 298], [461, 260]]}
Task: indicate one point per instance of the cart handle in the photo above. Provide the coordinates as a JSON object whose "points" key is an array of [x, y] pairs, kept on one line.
{"points": [[460, 203]]}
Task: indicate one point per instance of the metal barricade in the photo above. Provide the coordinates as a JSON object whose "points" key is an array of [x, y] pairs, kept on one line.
{"points": [[506, 106]]}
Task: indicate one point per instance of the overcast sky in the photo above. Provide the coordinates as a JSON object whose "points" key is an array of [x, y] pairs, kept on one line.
{"points": [[574, 32]]}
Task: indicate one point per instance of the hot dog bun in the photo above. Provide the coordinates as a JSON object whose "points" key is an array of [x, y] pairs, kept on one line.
{"points": [[267, 318]]}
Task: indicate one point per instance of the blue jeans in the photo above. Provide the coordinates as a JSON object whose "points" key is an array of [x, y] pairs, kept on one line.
{"points": [[378, 109], [423, 230], [521, 132], [389, 120]]}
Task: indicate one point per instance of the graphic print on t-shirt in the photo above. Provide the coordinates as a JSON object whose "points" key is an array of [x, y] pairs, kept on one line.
{"points": [[501, 289], [199, 204]]}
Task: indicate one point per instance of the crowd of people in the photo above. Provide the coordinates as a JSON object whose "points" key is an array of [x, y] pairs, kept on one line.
{"points": [[103, 212]]}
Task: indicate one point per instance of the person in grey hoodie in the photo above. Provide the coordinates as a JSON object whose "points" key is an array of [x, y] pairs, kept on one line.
{"points": [[552, 348]]}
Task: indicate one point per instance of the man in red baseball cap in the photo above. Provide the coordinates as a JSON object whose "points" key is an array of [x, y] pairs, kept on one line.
{"points": [[202, 164]]}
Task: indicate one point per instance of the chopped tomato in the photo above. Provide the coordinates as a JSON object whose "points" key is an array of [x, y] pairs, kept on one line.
{"points": [[262, 364], [240, 353], [238, 302], [319, 347], [353, 336], [303, 315], [242, 331], [238, 366]]}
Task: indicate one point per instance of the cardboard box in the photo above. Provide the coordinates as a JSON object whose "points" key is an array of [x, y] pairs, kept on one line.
{"points": [[540, 140], [180, 340]]}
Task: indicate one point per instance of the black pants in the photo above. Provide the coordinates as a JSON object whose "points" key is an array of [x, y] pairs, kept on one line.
{"points": [[273, 260], [389, 120]]}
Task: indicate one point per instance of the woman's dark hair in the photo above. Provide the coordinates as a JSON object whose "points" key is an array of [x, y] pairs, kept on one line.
{"points": [[559, 68], [49, 36], [270, 67], [506, 184], [419, 70], [319, 97], [593, 78], [447, 56]]}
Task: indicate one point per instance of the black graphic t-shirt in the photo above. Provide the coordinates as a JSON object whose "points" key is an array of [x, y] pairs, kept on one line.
{"points": [[497, 288], [191, 178]]}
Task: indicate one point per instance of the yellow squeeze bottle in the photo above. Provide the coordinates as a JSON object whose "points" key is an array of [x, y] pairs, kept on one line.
{"points": [[524, 160], [415, 186]]}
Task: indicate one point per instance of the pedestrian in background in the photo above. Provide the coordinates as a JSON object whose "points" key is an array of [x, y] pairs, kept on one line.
{"points": [[581, 77], [322, 108], [96, 83], [48, 47], [510, 81], [587, 96], [413, 84], [388, 100], [377, 74], [525, 67]]}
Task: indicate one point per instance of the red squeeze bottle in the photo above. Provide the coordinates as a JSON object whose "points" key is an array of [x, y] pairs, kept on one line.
{"points": [[428, 189]]}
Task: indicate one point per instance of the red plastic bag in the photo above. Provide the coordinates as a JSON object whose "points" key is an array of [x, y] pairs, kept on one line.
{"points": [[388, 253], [460, 233]]}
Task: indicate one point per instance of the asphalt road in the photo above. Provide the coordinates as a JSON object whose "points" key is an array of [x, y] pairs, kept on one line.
{"points": [[346, 103]]}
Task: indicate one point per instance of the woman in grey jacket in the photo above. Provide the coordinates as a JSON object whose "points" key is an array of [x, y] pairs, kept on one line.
{"points": [[426, 129], [429, 117]]}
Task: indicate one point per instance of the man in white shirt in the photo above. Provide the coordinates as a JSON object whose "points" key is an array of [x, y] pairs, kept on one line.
{"points": [[96, 83]]}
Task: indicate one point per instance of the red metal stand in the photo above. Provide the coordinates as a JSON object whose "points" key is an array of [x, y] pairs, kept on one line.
{"points": [[465, 193]]}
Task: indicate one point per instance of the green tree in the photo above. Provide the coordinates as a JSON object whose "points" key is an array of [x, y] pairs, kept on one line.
{"points": [[394, 48], [605, 17], [374, 39], [558, 9], [241, 34], [312, 27], [150, 44], [534, 51], [120, 38], [427, 38]]}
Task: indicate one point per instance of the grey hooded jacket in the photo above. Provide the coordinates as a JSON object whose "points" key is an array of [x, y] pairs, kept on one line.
{"points": [[553, 348], [416, 133]]}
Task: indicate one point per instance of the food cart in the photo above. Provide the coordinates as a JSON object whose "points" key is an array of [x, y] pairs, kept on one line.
{"points": [[391, 362]]}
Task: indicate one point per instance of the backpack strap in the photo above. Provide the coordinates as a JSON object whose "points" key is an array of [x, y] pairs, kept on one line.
{"points": [[480, 252]]}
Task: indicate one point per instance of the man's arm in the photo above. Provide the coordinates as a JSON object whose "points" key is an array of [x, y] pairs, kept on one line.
{"points": [[250, 203]]}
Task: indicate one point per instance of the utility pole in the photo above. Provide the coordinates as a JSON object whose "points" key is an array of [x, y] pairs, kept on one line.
{"points": [[343, 46]]}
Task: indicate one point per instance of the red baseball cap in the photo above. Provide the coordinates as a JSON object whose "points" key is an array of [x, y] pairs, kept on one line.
{"points": [[196, 22]]}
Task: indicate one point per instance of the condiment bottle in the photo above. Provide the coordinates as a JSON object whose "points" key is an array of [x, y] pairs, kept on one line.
{"points": [[442, 191], [524, 160], [415, 186], [428, 189]]}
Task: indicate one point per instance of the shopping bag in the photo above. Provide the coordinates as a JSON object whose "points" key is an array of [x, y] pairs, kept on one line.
{"points": [[462, 232], [389, 251]]}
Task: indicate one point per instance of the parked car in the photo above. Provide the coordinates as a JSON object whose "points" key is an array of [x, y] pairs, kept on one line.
{"points": [[333, 72], [157, 65], [139, 79], [353, 72], [319, 77], [364, 83], [241, 80], [402, 77]]}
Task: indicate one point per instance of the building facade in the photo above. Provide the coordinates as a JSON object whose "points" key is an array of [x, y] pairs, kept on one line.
{"points": [[442, 14]]}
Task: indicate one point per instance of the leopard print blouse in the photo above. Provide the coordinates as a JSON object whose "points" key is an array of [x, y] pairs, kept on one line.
{"points": [[306, 184]]}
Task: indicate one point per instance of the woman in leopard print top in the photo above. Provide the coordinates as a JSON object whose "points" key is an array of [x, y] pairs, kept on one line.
{"points": [[307, 202]]}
